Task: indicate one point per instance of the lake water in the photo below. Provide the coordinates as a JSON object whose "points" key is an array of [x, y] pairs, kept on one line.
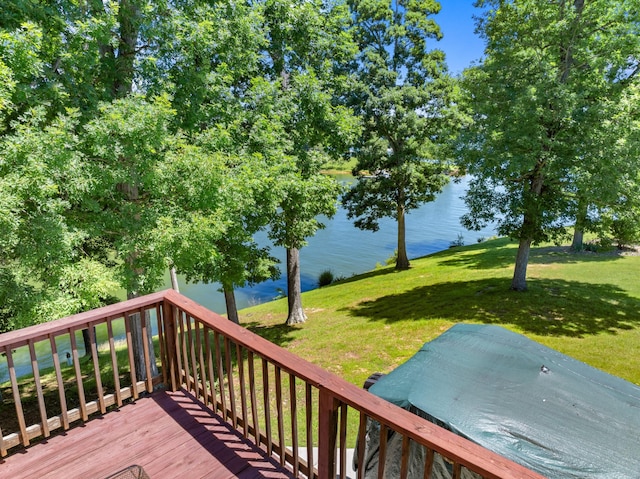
{"points": [[340, 247], [347, 250]]}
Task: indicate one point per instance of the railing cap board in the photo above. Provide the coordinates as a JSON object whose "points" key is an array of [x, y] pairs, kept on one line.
{"points": [[38, 332], [487, 463]]}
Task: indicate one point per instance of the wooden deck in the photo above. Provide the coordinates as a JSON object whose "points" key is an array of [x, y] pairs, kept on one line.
{"points": [[169, 434]]}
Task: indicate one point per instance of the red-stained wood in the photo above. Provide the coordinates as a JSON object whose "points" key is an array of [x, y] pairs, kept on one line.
{"points": [[334, 393], [308, 393], [243, 391], [327, 428], [38, 332], [253, 397], [132, 362], [168, 434], [161, 343], [145, 348], [36, 377], [342, 443], [64, 417], [114, 363], [96, 370], [455, 448], [293, 411]]}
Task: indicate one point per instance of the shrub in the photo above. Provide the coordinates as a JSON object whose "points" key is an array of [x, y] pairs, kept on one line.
{"points": [[325, 278], [458, 242]]}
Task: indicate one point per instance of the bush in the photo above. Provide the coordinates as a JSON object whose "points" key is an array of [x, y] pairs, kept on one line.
{"points": [[458, 242], [325, 278]]}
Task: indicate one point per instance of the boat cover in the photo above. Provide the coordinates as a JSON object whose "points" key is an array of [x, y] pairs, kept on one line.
{"points": [[540, 408]]}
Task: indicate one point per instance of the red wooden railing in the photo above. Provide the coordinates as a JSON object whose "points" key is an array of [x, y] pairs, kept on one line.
{"points": [[285, 405]]}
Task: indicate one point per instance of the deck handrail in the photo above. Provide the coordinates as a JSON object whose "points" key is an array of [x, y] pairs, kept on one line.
{"points": [[80, 387], [336, 391], [216, 359]]}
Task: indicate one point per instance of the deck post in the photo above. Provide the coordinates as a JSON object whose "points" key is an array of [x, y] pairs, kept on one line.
{"points": [[169, 320], [327, 434]]}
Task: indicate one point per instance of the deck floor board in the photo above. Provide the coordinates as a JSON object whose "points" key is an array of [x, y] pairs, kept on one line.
{"points": [[168, 434]]}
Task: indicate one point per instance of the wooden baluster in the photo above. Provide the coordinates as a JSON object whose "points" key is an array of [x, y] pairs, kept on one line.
{"points": [[201, 363], [148, 355], [169, 319], [40, 395], [309, 426], [404, 461], [267, 406], [230, 382], [161, 339], [96, 369], [61, 395], [278, 380], [293, 400], [457, 470], [192, 357], [221, 375], [183, 358], [210, 367], [3, 448], [114, 362], [76, 364], [252, 393], [327, 431], [16, 398], [343, 441], [361, 444], [243, 391], [428, 465], [132, 362], [382, 455]]}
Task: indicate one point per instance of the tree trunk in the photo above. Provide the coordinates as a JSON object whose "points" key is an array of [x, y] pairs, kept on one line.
{"points": [[174, 280], [519, 282], [86, 339], [578, 230], [230, 302], [129, 19], [294, 290], [402, 261], [578, 239]]}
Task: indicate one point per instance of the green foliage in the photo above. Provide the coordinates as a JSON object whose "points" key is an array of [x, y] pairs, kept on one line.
{"points": [[541, 149], [459, 241], [407, 103], [307, 45], [325, 278]]}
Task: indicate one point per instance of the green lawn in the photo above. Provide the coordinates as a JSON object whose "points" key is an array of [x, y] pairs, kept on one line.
{"points": [[586, 305]]}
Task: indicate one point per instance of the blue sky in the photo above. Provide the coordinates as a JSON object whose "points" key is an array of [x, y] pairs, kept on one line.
{"points": [[461, 45]]}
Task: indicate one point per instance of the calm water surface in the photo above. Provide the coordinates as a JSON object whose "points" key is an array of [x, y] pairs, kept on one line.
{"points": [[346, 250]]}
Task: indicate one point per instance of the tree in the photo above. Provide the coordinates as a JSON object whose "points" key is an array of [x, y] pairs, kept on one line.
{"points": [[606, 186], [553, 71], [211, 71], [307, 46], [217, 203], [406, 101]]}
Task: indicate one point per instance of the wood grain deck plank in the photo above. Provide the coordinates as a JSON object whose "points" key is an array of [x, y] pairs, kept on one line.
{"points": [[168, 434]]}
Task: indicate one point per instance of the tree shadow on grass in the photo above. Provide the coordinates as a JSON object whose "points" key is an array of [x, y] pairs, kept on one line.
{"points": [[502, 253], [279, 334], [550, 307]]}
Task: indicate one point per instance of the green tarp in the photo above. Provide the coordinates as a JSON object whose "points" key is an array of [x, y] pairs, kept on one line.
{"points": [[531, 404]]}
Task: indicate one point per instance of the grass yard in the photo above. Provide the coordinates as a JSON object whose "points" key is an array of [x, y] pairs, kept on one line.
{"points": [[586, 305]]}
